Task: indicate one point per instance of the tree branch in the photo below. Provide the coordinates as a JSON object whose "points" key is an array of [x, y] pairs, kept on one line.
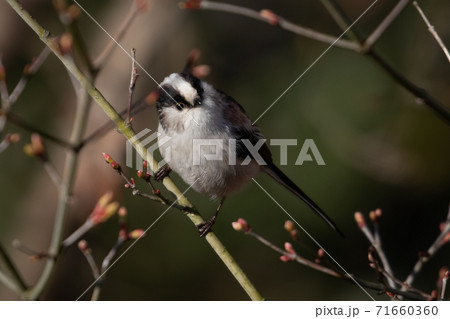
{"points": [[432, 31], [130, 135]]}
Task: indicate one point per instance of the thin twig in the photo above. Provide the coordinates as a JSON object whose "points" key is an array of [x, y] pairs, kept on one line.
{"points": [[376, 244], [109, 48], [412, 295], [18, 121], [8, 140], [432, 31], [29, 71], [10, 283], [356, 45], [156, 196], [136, 107], [296, 257], [105, 264], [83, 247], [52, 173], [441, 111], [399, 282], [133, 79], [444, 284], [69, 171], [438, 243], [76, 235], [130, 135], [382, 27], [4, 96], [281, 22], [4, 256], [341, 19], [3, 87], [424, 97]]}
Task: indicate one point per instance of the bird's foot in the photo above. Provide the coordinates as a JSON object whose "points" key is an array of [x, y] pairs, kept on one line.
{"points": [[162, 172], [205, 227]]}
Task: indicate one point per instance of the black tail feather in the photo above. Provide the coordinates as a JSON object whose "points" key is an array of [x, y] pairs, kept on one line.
{"points": [[281, 178]]}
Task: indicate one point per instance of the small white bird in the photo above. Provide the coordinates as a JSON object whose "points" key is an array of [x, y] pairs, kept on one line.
{"points": [[207, 138]]}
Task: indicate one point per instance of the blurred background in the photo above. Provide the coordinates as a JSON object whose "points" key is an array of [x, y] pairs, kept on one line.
{"points": [[382, 149]]}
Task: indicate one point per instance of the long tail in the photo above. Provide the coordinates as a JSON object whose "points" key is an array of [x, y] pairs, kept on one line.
{"points": [[281, 178]]}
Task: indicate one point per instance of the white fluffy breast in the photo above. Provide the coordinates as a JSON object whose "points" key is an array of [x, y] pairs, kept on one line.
{"points": [[185, 148]]}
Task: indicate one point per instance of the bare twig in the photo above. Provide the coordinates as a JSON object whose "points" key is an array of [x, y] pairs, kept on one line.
{"points": [[8, 140], [128, 132], [432, 31], [10, 283], [76, 235], [441, 111], [136, 7], [20, 122], [242, 225], [423, 96], [102, 211], [122, 237], [375, 241], [28, 71], [386, 274], [4, 96], [438, 243], [133, 79], [52, 173], [357, 44], [131, 184], [444, 284], [387, 21], [16, 277], [87, 253], [3, 87], [280, 22], [297, 258], [341, 19]]}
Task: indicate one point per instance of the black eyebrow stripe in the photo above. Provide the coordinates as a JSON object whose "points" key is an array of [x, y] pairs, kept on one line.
{"points": [[180, 99]]}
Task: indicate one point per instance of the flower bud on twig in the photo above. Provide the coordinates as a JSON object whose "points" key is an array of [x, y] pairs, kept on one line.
{"points": [[36, 148], [83, 245], [190, 4], [241, 225], [359, 218], [289, 248], [111, 161], [375, 215], [270, 16], [104, 209], [136, 234], [285, 258], [12, 138], [65, 43], [320, 256], [289, 225]]}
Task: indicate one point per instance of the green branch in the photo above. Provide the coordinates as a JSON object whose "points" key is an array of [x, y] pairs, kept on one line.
{"points": [[129, 134]]}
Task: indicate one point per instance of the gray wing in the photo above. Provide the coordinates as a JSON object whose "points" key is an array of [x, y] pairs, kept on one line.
{"points": [[242, 128]]}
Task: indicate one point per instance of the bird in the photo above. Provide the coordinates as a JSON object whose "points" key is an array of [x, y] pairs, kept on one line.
{"points": [[207, 138]]}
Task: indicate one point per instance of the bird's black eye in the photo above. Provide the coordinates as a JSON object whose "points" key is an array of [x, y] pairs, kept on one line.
{"points": [[179, 106]]}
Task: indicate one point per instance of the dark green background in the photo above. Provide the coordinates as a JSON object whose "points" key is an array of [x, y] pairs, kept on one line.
{"points": [[381, 148]]}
